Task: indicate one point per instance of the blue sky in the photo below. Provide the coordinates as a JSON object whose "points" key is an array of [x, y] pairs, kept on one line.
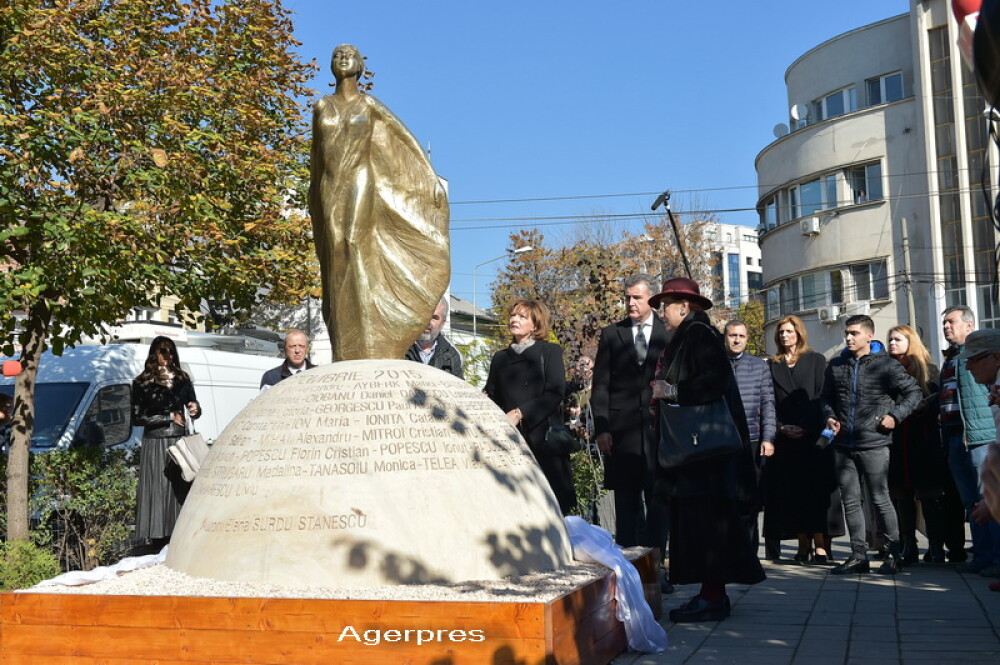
{"points": [[598, 105]]}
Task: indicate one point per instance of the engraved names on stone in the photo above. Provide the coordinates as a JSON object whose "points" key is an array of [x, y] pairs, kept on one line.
{"points": [[366, 423]]}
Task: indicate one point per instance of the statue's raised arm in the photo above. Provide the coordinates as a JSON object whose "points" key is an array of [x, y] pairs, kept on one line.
{"points": [[380, 221]]}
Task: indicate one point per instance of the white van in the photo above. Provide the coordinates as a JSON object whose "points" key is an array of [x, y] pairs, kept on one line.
{"points": [[84, 396]]}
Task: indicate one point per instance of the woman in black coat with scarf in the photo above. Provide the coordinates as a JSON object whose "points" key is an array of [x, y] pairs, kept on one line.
{"points": [[710, 501], [527, 380]]}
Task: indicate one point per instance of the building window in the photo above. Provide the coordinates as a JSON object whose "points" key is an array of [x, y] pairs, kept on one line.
{"points": [[718, 283], [813, 291], [734, 280], [810, 197], [769, 216], [141, 314], [836, 278], [749, 260], [830, 198], [884, 89], [755, 280], [773, 304], [866, 182], [836, 103], [989, 310], [789, 292], [942, 92], [871, 281], [805, 199]]}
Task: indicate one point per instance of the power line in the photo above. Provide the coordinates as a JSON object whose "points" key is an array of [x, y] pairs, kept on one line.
{"points": [[557, 220], [701, 190], [579, 197]]}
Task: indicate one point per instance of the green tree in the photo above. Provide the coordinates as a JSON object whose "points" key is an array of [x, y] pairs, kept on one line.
{"points": [[582, 282], [147, 147], [752, 313]]}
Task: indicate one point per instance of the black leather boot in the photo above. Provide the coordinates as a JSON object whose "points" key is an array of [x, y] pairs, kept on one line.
{"points": [[935, 552], [893, 561], [856, 563]]}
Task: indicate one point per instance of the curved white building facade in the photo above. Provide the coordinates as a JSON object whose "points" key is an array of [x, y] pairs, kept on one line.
{"points": [[872, 203]]}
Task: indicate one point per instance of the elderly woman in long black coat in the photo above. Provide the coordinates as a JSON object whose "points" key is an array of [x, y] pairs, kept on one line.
{"points": [[710, 500], [527, 380]]}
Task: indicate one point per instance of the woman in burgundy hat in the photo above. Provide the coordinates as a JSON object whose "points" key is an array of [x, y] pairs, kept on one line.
{"points": [[711, 502]]}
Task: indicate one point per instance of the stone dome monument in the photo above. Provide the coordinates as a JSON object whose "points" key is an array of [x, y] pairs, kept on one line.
{"points": [[365, 473]]}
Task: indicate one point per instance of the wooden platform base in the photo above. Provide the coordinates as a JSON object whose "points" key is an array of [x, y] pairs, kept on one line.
{"points": [[56, 629]]}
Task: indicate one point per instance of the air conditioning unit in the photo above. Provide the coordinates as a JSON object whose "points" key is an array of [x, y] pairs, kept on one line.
{"points": [[860, 307], [829, 314], [810, 226]]}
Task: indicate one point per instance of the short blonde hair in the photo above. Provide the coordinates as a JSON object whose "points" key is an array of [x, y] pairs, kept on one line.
{"points": [[538, 313]]}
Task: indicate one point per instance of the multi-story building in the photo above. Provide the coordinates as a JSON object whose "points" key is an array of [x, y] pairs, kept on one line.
{"points": [[870, 198], [736, 265]]}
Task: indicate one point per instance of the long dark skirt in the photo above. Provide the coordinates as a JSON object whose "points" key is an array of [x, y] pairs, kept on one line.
{"points": [[559, 473], [162, 490], [710, 542], [801, 493]]}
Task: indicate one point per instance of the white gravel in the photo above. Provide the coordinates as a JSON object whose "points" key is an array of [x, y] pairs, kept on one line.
{"points": [[160, 580]]}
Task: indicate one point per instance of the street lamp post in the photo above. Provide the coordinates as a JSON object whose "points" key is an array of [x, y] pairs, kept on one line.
{"points": [[475, 308]]}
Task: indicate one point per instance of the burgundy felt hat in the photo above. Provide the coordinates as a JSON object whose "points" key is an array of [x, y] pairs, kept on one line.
{"points": [[680, 288]]}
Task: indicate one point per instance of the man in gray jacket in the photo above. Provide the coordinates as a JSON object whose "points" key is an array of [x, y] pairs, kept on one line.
{"points": [[432, 348], [756, 388], [866, 394], [753, 377]]}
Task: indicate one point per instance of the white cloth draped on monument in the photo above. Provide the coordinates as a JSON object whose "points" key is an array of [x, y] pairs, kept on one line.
{"points": [[592, 544], [101, 573]]}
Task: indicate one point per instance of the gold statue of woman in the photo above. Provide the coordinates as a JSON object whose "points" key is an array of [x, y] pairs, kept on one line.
{"points": [[380, 221]]}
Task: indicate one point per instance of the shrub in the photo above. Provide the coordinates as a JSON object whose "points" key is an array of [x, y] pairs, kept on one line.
{"points": [[24, 564], [588, 480], [84, 504]]}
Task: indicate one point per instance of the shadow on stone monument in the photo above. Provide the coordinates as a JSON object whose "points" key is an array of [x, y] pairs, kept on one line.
{"points": [[371, 471]]}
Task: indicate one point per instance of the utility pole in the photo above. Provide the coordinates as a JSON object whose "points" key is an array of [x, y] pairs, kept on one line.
{"points": [[910, 303]]}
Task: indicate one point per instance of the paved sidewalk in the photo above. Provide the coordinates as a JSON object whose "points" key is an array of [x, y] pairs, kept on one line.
{"points": [[926, 615]]}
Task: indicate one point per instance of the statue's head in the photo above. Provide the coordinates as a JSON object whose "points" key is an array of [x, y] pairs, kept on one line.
{"points": [[347, 62]]}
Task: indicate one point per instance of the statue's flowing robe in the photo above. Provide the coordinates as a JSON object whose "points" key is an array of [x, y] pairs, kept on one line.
{"points": [[380, 222]]}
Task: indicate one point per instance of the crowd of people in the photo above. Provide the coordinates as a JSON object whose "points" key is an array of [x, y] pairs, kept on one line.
{"points": [[872, 440], [868, 444]]}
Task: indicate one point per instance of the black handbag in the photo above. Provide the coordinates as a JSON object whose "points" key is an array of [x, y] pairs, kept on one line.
{"points": [[559, 439], [696, 432]]}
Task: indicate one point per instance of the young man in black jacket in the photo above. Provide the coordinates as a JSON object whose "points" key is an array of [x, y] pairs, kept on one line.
{"points": [[866, 394]]}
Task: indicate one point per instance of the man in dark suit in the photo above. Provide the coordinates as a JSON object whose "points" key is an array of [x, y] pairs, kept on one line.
{"points": [[626, 360], [296, 359]]}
